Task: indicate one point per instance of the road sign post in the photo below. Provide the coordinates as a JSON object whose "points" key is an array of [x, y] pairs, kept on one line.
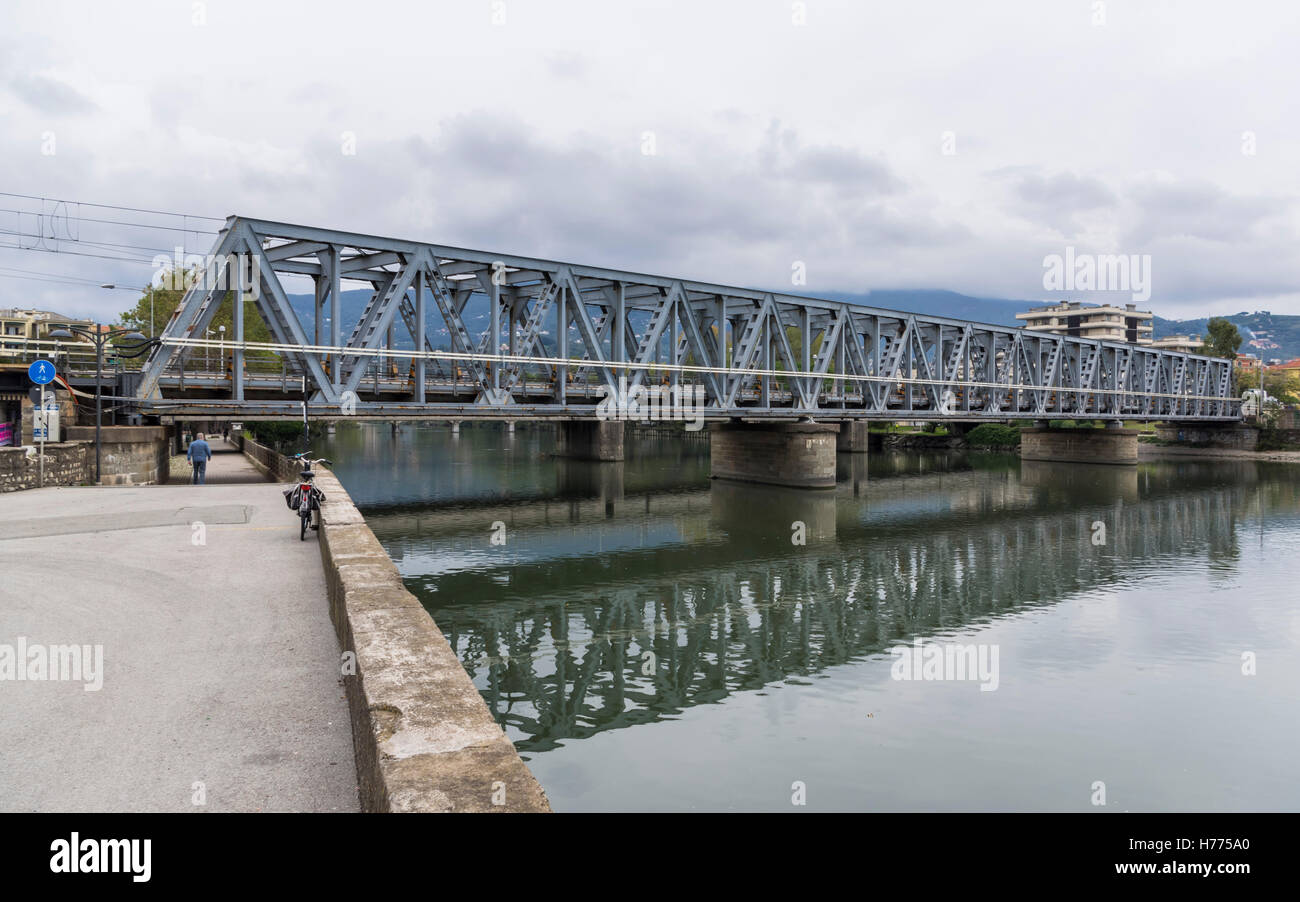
{"points": [[42, 373]]}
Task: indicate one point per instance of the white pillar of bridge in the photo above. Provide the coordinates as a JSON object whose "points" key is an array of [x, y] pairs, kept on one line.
{"points": [[417, 393], [494, 343], [336, 314], [235, 279], [561, 346]]}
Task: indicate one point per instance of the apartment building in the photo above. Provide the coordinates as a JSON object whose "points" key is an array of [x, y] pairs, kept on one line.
{"points": [[1102, 321], [18, 326], [1186, 344]]}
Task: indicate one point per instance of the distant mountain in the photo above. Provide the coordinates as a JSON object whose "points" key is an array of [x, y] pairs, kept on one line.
{"points": [[997, 311], [1266, 334]]}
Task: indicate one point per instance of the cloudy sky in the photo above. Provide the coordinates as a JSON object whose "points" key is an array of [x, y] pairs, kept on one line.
{"points": [[945, 145]]}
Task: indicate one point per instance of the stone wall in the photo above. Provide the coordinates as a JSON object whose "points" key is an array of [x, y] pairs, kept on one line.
{"points": [[1238, 438], [129, 455], [423, 737], [801, 455], [66, 463]]}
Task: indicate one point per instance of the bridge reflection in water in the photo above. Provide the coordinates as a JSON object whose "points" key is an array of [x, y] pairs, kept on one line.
{"points": [[634, 603]]}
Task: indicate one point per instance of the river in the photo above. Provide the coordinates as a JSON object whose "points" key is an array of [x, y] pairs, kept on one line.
{"points": [[652, 640]]}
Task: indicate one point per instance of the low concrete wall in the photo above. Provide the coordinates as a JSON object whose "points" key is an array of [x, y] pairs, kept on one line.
{"points": [[273, 464], [1083, 445], [66, 463], [423, 737], [1239, 438], [800, 455], [129, 455]]}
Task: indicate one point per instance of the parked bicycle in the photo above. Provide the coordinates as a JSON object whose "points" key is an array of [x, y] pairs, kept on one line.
{"points": [[304, 497]]}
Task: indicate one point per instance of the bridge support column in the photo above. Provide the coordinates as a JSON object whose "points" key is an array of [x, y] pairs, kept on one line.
{"points": [[800, 455], [455, 427], [1088, 446], [590, 439], [853, 437]]}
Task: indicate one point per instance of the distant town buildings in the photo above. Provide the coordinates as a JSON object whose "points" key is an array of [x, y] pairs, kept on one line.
{"points": [[1185, 344], [18, 326], [1100, 321]]}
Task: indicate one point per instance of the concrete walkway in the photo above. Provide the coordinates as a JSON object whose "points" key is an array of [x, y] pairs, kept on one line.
{"points": [[228, 465], [220, 665]]}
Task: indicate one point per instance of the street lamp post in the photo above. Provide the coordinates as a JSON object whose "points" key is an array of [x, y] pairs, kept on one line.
{"points": [[100, 339]]}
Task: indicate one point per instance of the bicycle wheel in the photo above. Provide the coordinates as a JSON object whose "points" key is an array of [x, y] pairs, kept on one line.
{"points": [[302, 520]]}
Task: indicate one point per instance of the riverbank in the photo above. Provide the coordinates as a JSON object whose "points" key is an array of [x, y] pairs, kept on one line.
{"points": [[1165, 452]]}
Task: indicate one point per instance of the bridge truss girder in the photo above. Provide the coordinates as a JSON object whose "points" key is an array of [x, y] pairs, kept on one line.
{"points": [[754, 353]]}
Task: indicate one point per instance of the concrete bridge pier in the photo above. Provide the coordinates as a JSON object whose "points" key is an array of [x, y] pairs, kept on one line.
{"points": [[455, 427], [852, 468], [1111, 445], [852, 437], [590, 439], [799, 455]]}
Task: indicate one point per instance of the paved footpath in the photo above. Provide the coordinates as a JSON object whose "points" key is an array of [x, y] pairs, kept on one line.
{"points": [[220, 665]]}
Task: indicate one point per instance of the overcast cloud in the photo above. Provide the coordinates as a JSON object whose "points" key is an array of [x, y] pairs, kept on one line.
{"points": [[884, 145]]}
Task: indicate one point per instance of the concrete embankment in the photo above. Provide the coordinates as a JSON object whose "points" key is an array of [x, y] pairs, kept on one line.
{"points": [[423, 738]]}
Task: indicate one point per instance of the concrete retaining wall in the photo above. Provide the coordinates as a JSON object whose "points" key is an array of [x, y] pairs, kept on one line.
{"points": [[423, 737]]}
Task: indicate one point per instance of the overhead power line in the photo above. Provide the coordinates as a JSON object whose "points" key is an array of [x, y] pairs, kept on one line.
{"points": [[82, 203]]}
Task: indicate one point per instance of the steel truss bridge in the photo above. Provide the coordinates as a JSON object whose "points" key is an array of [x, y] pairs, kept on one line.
{"points": [[752, 354]]}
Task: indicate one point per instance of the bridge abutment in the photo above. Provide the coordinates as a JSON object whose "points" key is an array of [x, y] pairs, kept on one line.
{"points": [[590, 439], [1082, 445], [799, 455]]}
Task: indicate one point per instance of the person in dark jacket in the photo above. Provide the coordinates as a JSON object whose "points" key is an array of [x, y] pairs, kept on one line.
{"points": [[199, 454]]}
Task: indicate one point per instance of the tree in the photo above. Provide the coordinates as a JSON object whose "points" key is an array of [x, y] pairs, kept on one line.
{"points": [[1222, 339], [158, 304], [1283, 385]]}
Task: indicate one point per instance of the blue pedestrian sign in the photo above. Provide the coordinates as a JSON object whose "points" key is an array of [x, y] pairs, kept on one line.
{"points": [[41, 372]]}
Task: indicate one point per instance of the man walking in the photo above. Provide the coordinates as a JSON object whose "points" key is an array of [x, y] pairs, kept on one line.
{"points": [[199, 454]]}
